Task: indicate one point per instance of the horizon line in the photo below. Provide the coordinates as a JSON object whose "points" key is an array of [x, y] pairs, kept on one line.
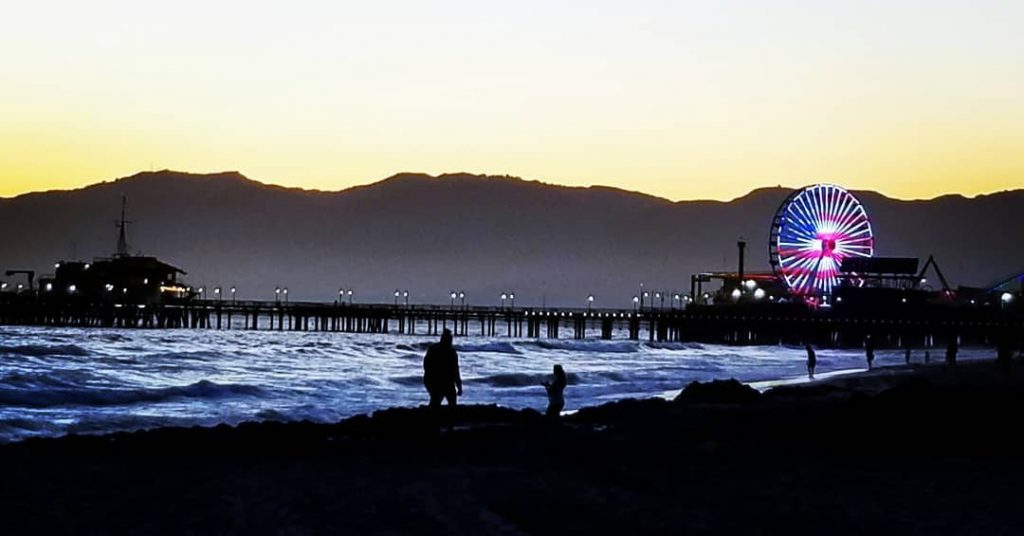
{"points": [[545, 182]]}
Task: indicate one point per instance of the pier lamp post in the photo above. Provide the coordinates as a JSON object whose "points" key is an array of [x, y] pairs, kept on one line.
{"points": [[636, 302], [512, 297], [201, 289], [503, 298], [285, 291], [644, 298], [277, 294], [641, 294], [462, 298], [3, 286], [20, 286], [397, 294], [453, 295], [661, 300], [590, 303], [677, 298], [216, 292], [234, 290], [1006, 299], [405, 294], [350, 296], [341, 296]]}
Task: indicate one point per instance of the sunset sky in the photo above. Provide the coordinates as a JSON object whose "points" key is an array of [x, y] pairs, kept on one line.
{"points": [[676, 98]]}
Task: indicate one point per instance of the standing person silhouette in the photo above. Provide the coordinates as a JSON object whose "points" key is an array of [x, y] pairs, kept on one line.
{"points": [[812, 361], [869, 351], [441, 377], [555, 389], [951, 351]]}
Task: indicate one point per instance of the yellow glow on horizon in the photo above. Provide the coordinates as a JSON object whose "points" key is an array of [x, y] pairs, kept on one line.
{"points": [[684, 100]]}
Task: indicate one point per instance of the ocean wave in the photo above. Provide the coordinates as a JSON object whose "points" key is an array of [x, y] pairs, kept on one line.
{"points": [[495, 347], [618, 347], [511, 379], [50, 396], [38, 350], [56, 378], [674, 345], [519, 379], [408, 380]]}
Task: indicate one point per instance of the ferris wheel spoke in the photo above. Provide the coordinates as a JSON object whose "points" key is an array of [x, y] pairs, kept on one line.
{"points": [[857, 221], [806, 210], [799, 232], [804, 219]]}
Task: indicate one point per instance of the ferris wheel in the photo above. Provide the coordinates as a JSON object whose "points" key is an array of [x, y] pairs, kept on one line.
{"points": [[814, 229]]}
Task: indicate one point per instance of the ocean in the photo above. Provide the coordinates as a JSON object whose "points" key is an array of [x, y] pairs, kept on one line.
{"points": [[57, 381]]}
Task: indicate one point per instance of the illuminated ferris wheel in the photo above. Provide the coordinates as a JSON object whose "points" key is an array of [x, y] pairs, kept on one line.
{"points": [[814, 229]]}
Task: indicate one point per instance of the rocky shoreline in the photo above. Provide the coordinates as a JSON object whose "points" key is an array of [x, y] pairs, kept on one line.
{"points": [[907, 449]]}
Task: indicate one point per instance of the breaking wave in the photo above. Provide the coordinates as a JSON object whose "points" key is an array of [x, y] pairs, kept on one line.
{"points": [[38, 350], [91, 396]]}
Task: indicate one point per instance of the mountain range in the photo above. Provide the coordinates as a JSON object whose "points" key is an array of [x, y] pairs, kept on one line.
{"points": [[480, 234]]}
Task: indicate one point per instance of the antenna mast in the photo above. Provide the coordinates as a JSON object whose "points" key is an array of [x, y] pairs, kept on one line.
{"points": [[122, 240]]}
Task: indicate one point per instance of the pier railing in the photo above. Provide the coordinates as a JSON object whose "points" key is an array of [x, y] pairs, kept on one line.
{"points": [[765, 324]]}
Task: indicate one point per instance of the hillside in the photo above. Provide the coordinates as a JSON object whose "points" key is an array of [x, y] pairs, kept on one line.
{"points": [[484, 235]]}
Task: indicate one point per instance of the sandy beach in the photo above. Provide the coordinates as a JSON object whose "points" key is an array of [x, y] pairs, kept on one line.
{"points": [[897, 450]]}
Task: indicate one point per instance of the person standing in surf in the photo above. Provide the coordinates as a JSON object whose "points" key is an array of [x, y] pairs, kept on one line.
{"points": [[869, 351], [441, 377], [556, 393], [812, 361]]}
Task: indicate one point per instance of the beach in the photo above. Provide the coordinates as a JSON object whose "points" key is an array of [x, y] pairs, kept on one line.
{"points": [[918, 449]]}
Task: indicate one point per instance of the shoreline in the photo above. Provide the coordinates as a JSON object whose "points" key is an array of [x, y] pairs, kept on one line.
{"points": [[903, 449]]}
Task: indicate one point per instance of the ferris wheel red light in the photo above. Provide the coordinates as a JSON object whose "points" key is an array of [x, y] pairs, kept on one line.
{"points": [[814, 229]]}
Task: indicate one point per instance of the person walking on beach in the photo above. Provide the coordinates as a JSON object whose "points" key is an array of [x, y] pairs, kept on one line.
{"points": [[441, 377], [812, 361], [869, 351], [951, 351], [555, 389], [1004, 352]]}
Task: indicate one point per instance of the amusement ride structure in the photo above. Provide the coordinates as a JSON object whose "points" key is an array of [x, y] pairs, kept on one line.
{"points": [[814, 230]]}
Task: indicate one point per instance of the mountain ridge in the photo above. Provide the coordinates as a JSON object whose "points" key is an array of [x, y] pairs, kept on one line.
{"points": [[485, 234]]}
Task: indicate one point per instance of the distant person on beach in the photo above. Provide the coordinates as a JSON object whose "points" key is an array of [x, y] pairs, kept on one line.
{"points": [[869, 351], [812, 361], [441, 376], [556, 397], [1004, 352], [951, 351], [906, 354], [927, 356]]}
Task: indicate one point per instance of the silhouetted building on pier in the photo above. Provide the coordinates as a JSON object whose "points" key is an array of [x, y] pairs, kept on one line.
{"points": [[123, 278]]}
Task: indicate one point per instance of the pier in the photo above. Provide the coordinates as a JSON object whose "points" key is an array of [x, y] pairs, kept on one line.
{"points": [[738, 325]]}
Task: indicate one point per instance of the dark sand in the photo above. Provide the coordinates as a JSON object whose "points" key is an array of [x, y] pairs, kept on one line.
{"points": [[914, 450]]}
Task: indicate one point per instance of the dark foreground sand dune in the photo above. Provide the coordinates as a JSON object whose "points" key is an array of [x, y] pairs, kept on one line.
{"points": [[895, 451]]}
